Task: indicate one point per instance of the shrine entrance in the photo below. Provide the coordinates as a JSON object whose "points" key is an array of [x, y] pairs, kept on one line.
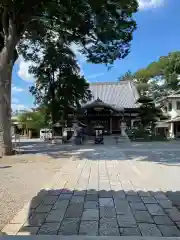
{"points": [[95, 121], [99, 113]]}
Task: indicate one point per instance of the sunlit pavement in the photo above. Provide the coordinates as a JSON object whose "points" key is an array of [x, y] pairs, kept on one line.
{"points": [[109, 190]]}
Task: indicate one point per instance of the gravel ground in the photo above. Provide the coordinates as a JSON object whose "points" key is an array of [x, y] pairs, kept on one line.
{"points": [[21, 177]]}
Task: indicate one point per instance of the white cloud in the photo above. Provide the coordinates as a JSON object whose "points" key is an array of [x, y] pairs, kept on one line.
{"points": [[23, 72], [17, 89], [18, 107], [146, 4], [95, 75]]}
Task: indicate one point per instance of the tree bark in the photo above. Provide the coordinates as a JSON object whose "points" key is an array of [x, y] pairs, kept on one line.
{"points": [[6, 65], [5, 111]]}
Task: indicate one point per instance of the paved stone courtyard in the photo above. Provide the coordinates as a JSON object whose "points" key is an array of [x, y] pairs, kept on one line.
{"points": [[108, 191]]}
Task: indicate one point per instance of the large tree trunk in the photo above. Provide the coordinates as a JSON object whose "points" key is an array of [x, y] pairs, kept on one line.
{"points": [[5, 110], [6, 65]]}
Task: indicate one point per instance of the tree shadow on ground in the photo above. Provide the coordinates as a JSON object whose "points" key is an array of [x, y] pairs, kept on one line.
{"points": [[169, 158], [162, 153], [92, 152], [105, 213]]}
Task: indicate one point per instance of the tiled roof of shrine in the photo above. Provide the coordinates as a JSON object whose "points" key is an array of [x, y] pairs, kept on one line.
{"points": [[119, 95]]}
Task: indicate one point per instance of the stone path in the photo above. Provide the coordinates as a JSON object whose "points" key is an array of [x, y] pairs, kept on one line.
{"points": [[97, 194]]}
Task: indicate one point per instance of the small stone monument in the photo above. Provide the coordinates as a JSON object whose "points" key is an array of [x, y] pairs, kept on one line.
{"points": [[123, 129]]}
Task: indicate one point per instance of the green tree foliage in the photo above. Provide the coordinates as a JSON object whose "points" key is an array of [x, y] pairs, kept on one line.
{"points": [[103, 28], [172, 71], [161, 77], [58, 86], [29, 120], [128, 76], [148, 112]]}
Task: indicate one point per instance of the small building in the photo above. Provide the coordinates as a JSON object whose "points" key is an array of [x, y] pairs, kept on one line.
{"points": [[170, 105], [112, 104]]}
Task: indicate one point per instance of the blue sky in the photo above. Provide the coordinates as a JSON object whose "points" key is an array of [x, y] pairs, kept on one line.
{"points": [[158, 34]]}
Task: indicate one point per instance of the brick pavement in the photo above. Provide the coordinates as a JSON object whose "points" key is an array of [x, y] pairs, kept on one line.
{"points": [[101, 198]]}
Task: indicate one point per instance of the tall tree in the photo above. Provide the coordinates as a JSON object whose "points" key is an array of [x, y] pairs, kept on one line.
{"points": [[161, 77], [29, 121], [148, 112], [128, 76], [58, 86], [103, 28]]}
